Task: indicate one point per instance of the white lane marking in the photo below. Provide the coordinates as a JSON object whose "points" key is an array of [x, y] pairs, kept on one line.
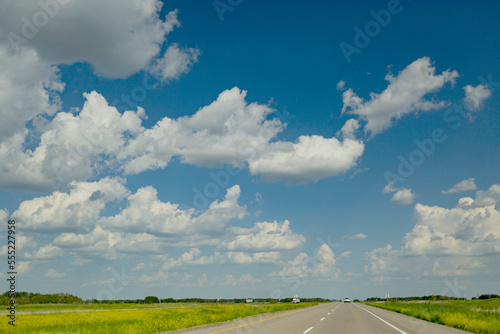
{"points": [[322, 319], [379, 318], [329, 313], [308, 330]]}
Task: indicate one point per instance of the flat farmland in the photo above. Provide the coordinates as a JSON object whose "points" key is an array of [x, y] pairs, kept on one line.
{"points": [[131, 318]]}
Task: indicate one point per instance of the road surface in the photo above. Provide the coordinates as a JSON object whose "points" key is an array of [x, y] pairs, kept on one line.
{"points": [[328, 318]]}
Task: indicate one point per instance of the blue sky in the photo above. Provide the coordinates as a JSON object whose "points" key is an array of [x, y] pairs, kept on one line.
{"points": [[251, 149]]}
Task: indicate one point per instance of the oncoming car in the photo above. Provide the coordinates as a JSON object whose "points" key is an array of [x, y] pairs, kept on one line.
{"points": [[347, 300]]}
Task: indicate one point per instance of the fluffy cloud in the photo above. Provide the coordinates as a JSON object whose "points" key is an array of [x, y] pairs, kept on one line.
{"points": [[45, 252], [326, 261], [23, 267], [475, 96], [349, 129], [228, 131], [465, 185], [148, 226], [75, 147], [101, 243], [340, 85], [296, 267], [77, 210], [52, 273], [28, 87], [381, 260], [310, 159], [145, 213], [193, 258], [346, 254], [303, 266], [405, 94], [22, 241], [189, 258], [243, 280], [466, 236], [403, 196], [487, 197], [72, 147], [265, 237], [116, 40], [175, 62]]}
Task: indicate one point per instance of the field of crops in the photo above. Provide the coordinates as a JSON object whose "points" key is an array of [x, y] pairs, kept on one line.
{"points": [[475, 316], [144, 320]]}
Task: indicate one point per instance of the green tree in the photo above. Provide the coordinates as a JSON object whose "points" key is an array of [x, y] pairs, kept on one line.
{"points": [[151, 300]]}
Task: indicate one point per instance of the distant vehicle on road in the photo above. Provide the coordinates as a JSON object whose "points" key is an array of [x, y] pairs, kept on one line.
{"points": [[296, 299], [347, 300]]}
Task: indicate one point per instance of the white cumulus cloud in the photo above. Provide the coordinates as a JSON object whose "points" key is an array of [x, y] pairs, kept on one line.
{"points": [[265, 237], [175, 61], [403, 196], [100, 139], [322, 265], [78, 209], [28, 87], [456, 241], [406, 93], [45, 252], [465, 185], [116, 40], [475, 96], [310, 159], [52, 273], [357, 236], [72, 147], [146, 213]]}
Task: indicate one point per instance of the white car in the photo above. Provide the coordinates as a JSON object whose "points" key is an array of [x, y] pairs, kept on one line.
{"points": [[347, 300]]}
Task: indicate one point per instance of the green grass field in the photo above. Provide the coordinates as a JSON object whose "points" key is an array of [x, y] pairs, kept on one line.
{"points": [[476, 316], [109, 319]]}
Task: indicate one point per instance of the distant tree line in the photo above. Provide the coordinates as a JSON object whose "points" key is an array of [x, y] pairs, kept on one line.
{"points": [[487, 296], [431, 297], [407, 299], [24, 298]]}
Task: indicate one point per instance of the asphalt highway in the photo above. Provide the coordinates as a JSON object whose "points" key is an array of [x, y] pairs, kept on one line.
{"points": [[348, 318]]}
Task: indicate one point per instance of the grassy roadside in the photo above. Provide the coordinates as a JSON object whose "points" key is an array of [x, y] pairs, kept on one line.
{"points": [[138, 321], [476, 316]]}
